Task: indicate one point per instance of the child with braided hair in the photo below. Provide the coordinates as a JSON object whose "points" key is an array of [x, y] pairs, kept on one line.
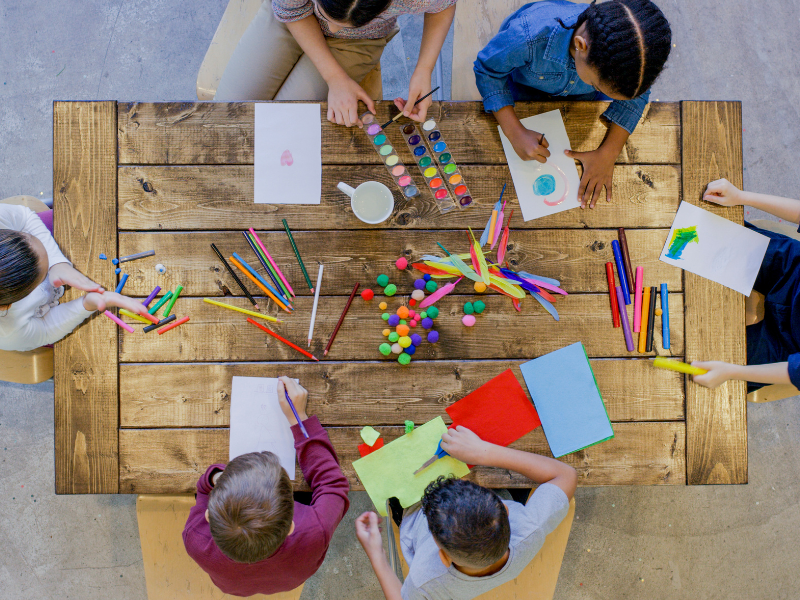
{"points": [[556, 49]]}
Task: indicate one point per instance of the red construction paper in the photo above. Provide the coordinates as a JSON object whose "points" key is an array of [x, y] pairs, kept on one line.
{"points": [[498, 412], [363, 449]]}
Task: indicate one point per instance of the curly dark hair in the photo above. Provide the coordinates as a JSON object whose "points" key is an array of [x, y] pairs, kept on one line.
{"points": [[355, 12], [19, 266]]}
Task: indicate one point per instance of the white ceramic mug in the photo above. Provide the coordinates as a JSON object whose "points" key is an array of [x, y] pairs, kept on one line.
{"points": [[372, 202]]}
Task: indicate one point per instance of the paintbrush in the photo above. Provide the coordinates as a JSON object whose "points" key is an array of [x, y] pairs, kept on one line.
{"points": [[400, 114]]}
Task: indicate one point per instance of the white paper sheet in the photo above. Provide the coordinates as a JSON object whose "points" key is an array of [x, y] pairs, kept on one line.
{"points": [[258, 423], [559, 170], [288, 154], [719, 250]]}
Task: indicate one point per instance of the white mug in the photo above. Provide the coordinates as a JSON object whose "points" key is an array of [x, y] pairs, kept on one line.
{"points": [[372, 202]]}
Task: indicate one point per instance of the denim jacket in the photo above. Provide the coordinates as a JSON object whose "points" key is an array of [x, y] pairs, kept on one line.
{"points": [[532, 50]]}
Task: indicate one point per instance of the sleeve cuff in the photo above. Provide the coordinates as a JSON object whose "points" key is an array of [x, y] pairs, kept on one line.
{"points": [[794, 370], [204, 485], [497, 100], [313, 427]]}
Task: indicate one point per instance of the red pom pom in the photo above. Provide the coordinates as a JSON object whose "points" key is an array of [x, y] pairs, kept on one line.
{"points": [[401, 263], [367, 294], [412, 302]]}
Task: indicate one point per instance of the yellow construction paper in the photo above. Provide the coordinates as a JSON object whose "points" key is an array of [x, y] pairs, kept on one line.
{"points": [[369, 435], [390, 471]]}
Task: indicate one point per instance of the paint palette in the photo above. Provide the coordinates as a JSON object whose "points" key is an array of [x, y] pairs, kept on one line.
{"points": [[451, 173], [435, 180], [389, 157]]}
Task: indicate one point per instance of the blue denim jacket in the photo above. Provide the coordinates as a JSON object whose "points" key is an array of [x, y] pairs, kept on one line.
{"points": [[531, 50]]}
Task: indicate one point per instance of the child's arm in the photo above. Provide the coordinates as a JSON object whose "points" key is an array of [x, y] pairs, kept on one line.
{"points": [[369, 535], [723, 192], [464, 445], [720, 372]]}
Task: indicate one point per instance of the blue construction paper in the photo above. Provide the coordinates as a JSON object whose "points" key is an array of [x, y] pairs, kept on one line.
{"points": [[566, 396]]}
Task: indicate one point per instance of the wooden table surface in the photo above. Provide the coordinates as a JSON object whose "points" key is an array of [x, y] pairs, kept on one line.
{"points": [[139, 413]]}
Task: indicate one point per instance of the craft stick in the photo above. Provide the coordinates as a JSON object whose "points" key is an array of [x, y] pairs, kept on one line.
{"points": [[164, 330], [341, 318], [623, 280], [145, 318], [172, 300], [297, 254], [626, 257], [400, 114], [152, 295], [136, 256], [643, 324], [676, 365], [119, 322], [121, 283], [235, 277], [651, 318], [169, 319], [637, 300], [272, 292], [294, 411], [626, 325], [612, 294], [314, 308], [262, 259], [165, 298], [664, 316], [285, 341], [258, 283], [242, 310], [272, 262]]}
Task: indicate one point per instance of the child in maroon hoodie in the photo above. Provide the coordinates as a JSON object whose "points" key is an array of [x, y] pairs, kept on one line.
{"points": [[247, 532]]}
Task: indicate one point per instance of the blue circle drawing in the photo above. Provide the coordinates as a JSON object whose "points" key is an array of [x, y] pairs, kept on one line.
{"points": [[544, 185]]}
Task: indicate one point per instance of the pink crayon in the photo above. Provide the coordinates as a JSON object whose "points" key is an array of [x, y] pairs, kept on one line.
{"points": [[122, 324], [637, 300], [626, 324]]}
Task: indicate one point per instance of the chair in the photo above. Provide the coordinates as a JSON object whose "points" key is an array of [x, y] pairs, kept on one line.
{"points": [[169, 571], [235, 21], [536, 582]]}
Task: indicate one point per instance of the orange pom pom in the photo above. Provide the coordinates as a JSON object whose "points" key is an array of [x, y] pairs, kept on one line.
{"points": [[402, 330], [402, 312]]}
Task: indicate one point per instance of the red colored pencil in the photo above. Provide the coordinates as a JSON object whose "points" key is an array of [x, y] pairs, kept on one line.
{"points": [[285, 341], [611, 290], [173, 325], [339, 324]]}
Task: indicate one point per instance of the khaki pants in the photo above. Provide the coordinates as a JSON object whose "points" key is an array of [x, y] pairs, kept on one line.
{"points": [[268, 64]]}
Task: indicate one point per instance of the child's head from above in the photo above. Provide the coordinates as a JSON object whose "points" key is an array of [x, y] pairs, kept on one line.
{"points": [[468, 522], [23, 265], [350, 14], [250, 508], [620, 46]]}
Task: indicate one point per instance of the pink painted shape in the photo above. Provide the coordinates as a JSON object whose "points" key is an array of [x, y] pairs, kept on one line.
{"points": [[287, 160]]}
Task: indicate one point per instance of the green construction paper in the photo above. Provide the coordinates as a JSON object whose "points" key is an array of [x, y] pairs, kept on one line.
{"points": [[390, 471], [369, 435]]}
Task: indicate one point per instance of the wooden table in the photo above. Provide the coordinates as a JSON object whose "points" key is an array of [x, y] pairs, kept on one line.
{"points": [[147, 413]]}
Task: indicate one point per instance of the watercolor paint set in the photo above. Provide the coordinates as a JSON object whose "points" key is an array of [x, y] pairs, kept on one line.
{"points": [[444, 157], [427, 166], [389, 157]]}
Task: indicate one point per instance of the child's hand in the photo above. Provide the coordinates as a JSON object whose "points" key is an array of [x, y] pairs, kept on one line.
{"points": [[529, 145], [598, 172], [466, 446], [95, 301], [722, 192], [343, 97], [369, 533], [418, 86], [299, 396], [718, 373], [66, 274]]}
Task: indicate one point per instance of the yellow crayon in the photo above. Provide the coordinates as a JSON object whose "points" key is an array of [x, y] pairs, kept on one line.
{"points": [[676, 365], [128, 313], [242, 310]]}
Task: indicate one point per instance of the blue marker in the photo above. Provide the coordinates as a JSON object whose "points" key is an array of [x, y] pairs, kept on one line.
{"points": [[621, 271], [664, 316], [121, 283]]}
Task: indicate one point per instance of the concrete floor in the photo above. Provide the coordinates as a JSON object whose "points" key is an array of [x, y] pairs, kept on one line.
{"points": [[736, 543]]}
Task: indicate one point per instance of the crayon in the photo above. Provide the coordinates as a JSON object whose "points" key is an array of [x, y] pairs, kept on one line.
{"points": [[165, 298], [121, 283], [651, 318], [173, 325], [141, 318], [626, 325], [119, 322], [137, 256], [643, 325], [623, 280], [169, 319], [173, 300], [152, 295], [612, 293], [637, 300], [676, 365]]}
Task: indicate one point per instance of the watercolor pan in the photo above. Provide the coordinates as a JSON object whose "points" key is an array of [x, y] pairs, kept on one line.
{"points": [[427, 166], [442, 153], [388, 154]]}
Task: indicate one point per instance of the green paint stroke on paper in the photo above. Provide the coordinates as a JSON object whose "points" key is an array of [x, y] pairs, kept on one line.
{"points": [[680, 239]]}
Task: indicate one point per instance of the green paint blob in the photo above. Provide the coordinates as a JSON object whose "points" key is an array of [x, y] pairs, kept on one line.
{"points": [[445, 158], [424, 161], [680, 239], [450, 169]]}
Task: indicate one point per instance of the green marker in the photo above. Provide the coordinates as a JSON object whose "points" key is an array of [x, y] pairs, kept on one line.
{"points": [[160, 303], [172, 302]]}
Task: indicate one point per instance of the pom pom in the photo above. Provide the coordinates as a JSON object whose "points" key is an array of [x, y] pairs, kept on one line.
{"points": [[367, 294], [404, 359], [383, 305], [385, 349], [419, 284], [418, 294], [416, 339], [478, 306], [397, 348], [402, 312], [383, 280], [423, 314], [404, 341], [401, 263], [386, 332], [386, 317], [433, 337], [468, 308], [431, 286], [480, 287], [659, 312], [411, 349], [390, 290], [402, 330], [426, 277], [411, 314], [394, 320], [409, 426], [433, 312], [412, 302], [403, 322], [468, 320], [427, 322], [394, 336], [413, 323]]}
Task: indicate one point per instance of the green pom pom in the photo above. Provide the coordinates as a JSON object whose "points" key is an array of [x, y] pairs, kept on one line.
{"points": [[403, 322], [479, 307], [409, 424], [394, 336], [468, 308], [385, 349], [390, 289], [385, 316], [383, 280], [424, 314], [431, 286], [433, 312], [404, 359]]}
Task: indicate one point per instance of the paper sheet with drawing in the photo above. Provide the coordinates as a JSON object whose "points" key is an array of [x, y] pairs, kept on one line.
{"points": [[715, 248], [549, 188], [288, 153], [258, 423]]}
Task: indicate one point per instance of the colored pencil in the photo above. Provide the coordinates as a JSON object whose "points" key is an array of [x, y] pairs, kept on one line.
{"points": [[314, 309], [258, 283], [637, 300], [242, 310], [623, 279], [294, 411], [164, 299], [285, 341], [121, 283], [626, 257], [152, 295], [137, 256], [297, 254], [676, 365], [274, 274], [643, 324], [119, 322], [235, 277], [173, 325], [612, 294], [664, 316], [626, 325], [264, 284], [341, 318], [272, 262], [169, 319], [145, 318], [400, 114], [172, 300], [651, 318], [262, 259]]}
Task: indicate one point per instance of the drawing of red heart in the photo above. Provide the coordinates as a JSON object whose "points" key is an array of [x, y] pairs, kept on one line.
{"points": [[287, 159]]}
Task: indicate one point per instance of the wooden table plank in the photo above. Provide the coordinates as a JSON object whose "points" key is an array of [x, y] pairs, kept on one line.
{"points": [[169, 461], [716, 420], [221, 197], [222, 133], [575, 257], [199, 395], [85, 204], [215, 334]]}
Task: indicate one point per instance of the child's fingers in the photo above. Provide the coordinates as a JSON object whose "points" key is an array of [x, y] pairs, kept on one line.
{"points": [[596, 194], [412, 97], [367, 100], [331, 115]]}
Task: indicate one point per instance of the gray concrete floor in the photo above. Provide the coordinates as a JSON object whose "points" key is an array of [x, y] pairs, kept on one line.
{"points": [[709, 543]]}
